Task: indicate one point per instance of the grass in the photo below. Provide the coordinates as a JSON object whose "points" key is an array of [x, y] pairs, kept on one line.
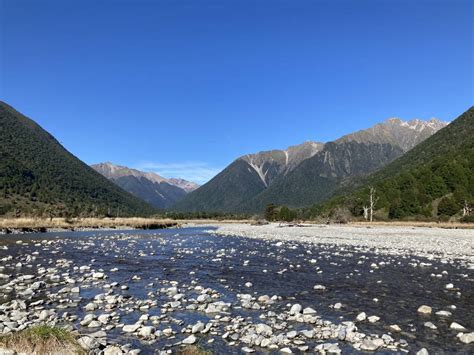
{"points": [[42, 224], [42, 339]]}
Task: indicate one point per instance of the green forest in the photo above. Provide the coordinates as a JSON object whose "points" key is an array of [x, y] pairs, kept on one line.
{"points": [[433, 181], [38, 177]]}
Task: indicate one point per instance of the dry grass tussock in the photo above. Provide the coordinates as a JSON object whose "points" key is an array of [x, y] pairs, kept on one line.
{"points": [[193, 350], [42, 339], [70, 223]]}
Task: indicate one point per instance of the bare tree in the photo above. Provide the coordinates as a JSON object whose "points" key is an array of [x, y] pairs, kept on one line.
{"points": [[372, 202], [366, 212], [466, 210]]}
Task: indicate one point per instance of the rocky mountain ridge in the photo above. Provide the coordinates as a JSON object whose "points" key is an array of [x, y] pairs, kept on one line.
{"points": [[308, 172], [148, 186]]}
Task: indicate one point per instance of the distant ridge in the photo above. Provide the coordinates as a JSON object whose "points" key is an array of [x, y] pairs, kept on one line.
{"points": [[306, 173], [435, 178], [148, 186], [39, 177]]}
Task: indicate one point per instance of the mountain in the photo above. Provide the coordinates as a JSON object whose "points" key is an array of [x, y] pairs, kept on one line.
{"points": [[435, 178], [308, 173], [39, 177], [150, 187], [349, 157], [245, 178]]}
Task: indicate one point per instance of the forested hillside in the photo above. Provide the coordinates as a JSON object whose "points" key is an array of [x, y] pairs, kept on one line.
{"points": [[434, 179], [38, 177]]}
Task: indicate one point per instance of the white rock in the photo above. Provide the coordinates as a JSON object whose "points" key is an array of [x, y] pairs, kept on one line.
{"points": [[130, 328], [197, 328], [466, 338], [456, 326], [295, 309], [189, 340], [424, 309]]}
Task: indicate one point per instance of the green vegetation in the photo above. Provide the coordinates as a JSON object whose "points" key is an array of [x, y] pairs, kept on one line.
{"points": [[280, 213], [232, 187], [435, 180], [42, 339], [38, 177], [205, 215]]}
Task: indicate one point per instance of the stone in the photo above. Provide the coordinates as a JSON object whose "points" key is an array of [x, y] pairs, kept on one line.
{"points": [[203, 298], [395, 328], [88, 343], [94, 324], [456, 326], [189, 340], [424, 310], [443, 314], [422, 351], [373, 319], [90, 307], [466, 338], [98, 275], [263, 329], [371, 344], [146, 332], [292, 334], [197, 328], [295, 309], [309, 310], [104, 318], [361, 317], [112, 350], [430, 325], [130, 328], [246, 349]]}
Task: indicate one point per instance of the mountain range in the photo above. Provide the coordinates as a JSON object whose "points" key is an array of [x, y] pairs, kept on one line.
{"points": [[307, 173], [434, 179], [39, 177], [148, 186], [418, 168]]}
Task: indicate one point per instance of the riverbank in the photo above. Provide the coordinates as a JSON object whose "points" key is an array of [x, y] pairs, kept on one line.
{"points": [[122, 292], [26, 225], [388, 239]]}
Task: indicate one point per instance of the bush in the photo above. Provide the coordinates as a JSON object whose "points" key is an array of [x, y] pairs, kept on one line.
{"points": [[467, 219], [448, 207], [340, 215]]}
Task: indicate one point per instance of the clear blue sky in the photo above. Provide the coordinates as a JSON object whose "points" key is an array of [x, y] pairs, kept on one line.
{"points": [[185, 87]]}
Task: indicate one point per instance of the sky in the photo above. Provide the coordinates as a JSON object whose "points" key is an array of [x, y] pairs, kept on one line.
{"points": [[183, 88]]}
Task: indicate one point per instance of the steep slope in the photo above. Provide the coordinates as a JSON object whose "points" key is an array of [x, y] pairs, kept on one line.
{"points": [[39, 177], [246, 177], [150, 187], [351, 156], [317, 178], [310, 172], [434, 178]]}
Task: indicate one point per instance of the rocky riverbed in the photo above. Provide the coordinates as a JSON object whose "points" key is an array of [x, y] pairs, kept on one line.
{"points": [[239, 289]]}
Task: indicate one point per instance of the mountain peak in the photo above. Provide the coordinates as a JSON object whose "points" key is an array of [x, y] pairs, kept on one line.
{"points": [[405, 134], [149, 186]]}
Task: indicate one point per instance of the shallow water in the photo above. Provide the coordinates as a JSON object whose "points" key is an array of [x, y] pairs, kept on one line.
{"points": [[289, 270]]}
